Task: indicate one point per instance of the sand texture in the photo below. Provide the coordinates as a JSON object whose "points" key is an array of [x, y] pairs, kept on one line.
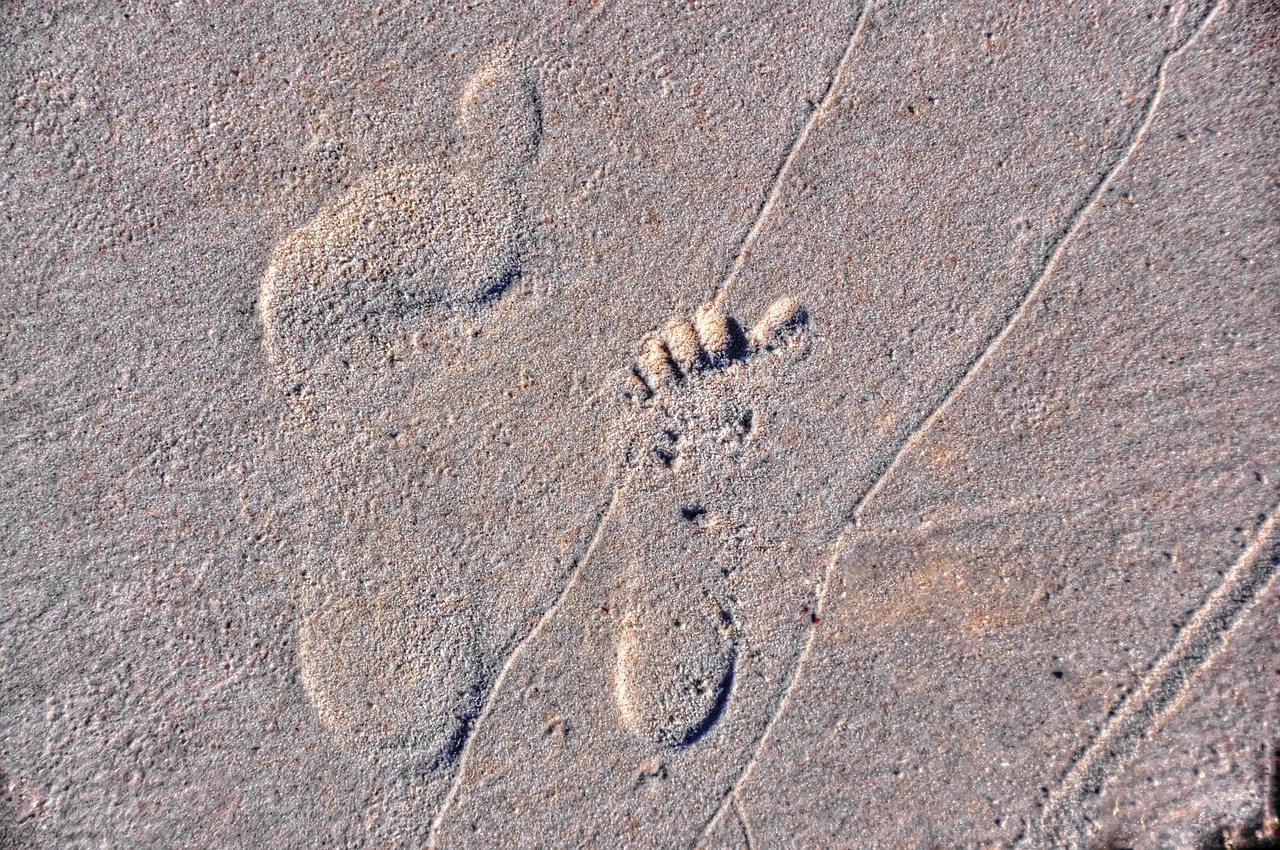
{"points": [[667, 425]]}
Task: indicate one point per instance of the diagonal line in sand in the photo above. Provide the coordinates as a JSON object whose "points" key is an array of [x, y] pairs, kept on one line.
{"points": [[1160, 690], [914, 437], [1030, 295], [784, 170], [741, 814], [507, 665]]}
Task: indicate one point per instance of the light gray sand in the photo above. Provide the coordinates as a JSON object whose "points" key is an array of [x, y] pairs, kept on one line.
{"points": [[639, 426]]}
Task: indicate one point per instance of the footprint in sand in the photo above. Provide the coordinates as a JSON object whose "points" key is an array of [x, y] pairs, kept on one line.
{"points": [[676, 639], [413, 589], [363, 306], [646, 682]]}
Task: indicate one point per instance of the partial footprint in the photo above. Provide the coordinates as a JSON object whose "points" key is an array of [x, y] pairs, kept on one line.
{"points": [[676, 650], [374, 275], [677, 642], [364, 307], [499, 118], [394, 670]]}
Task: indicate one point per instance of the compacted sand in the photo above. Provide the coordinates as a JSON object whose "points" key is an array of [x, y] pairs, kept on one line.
{"points": [[669, 426]]}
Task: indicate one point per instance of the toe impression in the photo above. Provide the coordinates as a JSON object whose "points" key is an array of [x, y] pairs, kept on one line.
{"points": [[712, 340], [783, 320], [682, 341], [714, 333], [499, 117]]}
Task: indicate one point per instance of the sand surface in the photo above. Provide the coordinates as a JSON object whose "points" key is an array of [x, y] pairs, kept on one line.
{"points": [[649, 426]]}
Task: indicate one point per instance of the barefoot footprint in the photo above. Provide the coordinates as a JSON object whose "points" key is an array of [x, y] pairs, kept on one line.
{"points": [[363, 306], [677, 642], [375, 274]]}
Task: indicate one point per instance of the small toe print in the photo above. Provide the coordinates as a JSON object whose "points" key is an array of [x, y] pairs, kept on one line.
{"points": [[655, 365], [676, 642], [713, 332], [783, 320], [711, 341], [682, 341]]}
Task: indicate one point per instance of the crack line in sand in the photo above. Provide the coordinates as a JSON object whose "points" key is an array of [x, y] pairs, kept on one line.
{"points": [[974, 366], [766, 207], [1158, 692], [574, 575]]}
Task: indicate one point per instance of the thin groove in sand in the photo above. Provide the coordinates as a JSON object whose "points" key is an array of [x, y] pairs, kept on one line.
{"points": [[498, 680], [762, 215], [1159, 691], [746, 824], [966, 379], [1029, 296]]}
